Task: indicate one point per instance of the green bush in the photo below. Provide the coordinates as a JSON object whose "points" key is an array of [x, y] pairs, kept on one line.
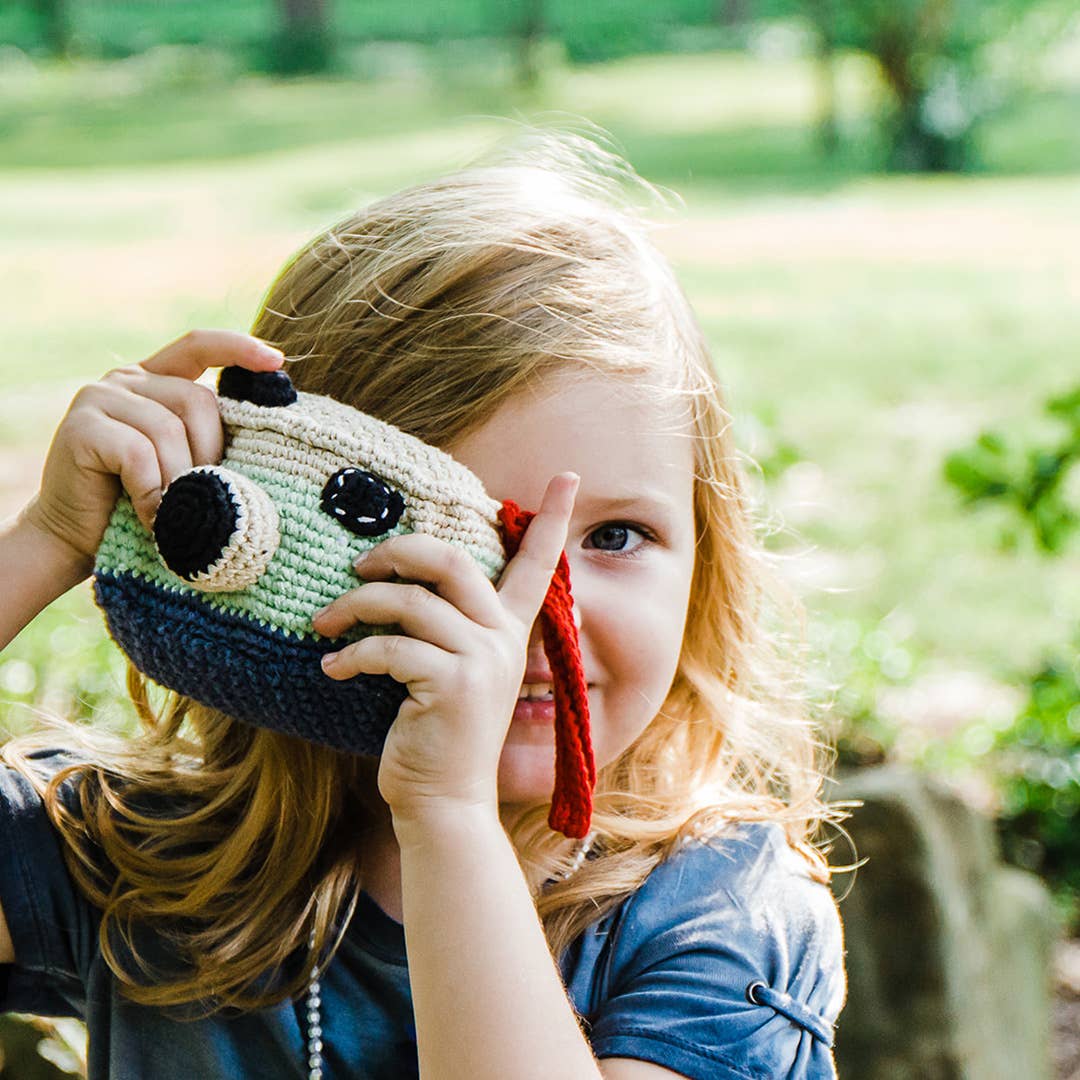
{"points": [[1032, 480], [1036, 759], [1037, 762]]}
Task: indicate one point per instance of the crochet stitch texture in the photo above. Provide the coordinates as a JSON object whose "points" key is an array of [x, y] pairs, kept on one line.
{"points": [[216, 603]]}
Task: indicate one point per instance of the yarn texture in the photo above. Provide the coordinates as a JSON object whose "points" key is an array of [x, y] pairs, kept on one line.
{"points": [[216, 602]]}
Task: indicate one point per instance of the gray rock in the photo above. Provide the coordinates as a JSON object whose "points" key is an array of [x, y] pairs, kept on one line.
{"points": [[949, 952]]}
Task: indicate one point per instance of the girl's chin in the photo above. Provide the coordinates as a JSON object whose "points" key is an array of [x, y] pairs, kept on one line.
{"points": [[527, 762], [526, 772]]}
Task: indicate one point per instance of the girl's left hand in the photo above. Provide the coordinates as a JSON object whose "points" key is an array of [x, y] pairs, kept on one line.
{"points": [[462, 661]]}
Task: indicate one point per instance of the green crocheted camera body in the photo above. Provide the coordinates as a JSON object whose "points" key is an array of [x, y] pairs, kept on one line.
{"points": [[216, 603]]}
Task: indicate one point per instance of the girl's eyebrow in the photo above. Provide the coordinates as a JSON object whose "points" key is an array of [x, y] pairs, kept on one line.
{"points": [[653, 500]]}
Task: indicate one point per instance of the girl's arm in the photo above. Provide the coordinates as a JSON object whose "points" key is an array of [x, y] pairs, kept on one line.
{"points": [[488, 1000], [35, 568]]}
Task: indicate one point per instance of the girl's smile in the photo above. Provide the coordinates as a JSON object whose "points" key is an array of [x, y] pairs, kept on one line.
{"points": [[630, 548]]}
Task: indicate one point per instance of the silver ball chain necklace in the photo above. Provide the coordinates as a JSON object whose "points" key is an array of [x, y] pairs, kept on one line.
{"points": [[314, 990]]}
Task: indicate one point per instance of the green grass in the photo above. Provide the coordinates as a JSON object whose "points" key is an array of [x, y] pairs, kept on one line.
{"points": [[885, 326], [880, 321]]}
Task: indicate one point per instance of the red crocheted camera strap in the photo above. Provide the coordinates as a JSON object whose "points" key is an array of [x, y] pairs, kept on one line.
{"points": [[575, 769]]}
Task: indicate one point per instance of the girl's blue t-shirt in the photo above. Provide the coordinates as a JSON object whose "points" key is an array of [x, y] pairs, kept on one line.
{"points": [[726, 964]]}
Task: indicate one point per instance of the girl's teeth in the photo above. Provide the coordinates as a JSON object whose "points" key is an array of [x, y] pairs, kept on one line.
{"points": [[536, 692]]}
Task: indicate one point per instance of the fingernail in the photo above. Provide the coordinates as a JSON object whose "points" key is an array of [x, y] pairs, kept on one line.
{"points": [[320, 613], [329, 660], [361, 559]]}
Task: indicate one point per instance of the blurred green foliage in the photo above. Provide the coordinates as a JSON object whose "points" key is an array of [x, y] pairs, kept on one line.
{"points": [[863, 660], [64, 664], [944, 64], [1036, 759], [1033, 480], [941, 62], [111, 29], [926, 51], [1037, 769]]}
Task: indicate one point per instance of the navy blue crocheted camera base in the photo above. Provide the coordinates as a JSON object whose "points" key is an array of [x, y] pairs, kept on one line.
{"points": [[249, 671]]}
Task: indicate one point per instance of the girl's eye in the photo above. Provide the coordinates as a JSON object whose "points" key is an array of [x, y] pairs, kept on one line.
{"points": [[614, 536]]}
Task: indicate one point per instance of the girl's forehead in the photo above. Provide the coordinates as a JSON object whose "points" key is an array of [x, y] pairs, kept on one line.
{"points": [[642, 408], [617, 437]]}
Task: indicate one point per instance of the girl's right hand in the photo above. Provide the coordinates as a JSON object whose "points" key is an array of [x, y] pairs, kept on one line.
{"points": [[138, 427]]}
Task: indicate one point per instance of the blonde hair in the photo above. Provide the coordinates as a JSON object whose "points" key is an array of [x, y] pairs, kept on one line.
{"points": [[429, 309]]}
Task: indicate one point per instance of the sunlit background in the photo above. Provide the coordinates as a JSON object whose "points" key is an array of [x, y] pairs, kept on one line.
{"points": [[879, 229]]}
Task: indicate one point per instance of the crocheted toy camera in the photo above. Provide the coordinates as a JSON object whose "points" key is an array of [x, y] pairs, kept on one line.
{"points": [[216, 602]]}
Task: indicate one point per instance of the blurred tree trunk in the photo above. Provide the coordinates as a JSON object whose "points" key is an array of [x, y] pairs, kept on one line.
{"points": [[916, 144], [304, 43], [823, 19], [731, 12], [300, 15], [919, 51], [55, 29], [530, 35]]}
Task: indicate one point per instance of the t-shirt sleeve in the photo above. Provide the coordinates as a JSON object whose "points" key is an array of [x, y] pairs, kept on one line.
{"points": [[727, 965], [53, 927]]}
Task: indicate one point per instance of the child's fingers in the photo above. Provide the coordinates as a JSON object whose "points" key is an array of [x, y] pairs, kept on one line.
{"points": [[420, 613], [404, 659], [190, 355], [123, 450], [165, 430], [195, 405], [527, 576], [451, 572]]}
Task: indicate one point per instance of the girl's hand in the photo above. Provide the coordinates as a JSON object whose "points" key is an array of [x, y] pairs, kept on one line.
{"points": [[139, 426], [462, 661]]}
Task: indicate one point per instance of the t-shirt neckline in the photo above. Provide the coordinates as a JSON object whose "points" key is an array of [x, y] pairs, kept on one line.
{"points": [[379, 931]]}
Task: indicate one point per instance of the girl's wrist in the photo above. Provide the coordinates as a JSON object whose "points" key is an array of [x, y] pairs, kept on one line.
{"points": [[35, 569], [64, 563], [444, 823]]}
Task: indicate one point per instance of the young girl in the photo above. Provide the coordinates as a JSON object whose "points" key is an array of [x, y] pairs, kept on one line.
{"points": [[217, 899]]}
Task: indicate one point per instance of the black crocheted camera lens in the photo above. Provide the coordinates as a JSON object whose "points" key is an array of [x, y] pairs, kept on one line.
{"points": [[361, 502], [194, 522]]}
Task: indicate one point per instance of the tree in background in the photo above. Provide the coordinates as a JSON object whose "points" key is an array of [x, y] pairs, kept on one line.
{"points": [[932, 57], [55, 28], [304, 43], [821, 16], [530, 38]]}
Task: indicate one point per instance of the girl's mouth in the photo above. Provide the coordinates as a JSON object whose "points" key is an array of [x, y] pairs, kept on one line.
{"points": [[539, 712], [536, 704], [536, 692]]}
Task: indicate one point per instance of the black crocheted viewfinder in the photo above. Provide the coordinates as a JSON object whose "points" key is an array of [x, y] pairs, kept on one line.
{"points": [[362, 502], [269, 388]]}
